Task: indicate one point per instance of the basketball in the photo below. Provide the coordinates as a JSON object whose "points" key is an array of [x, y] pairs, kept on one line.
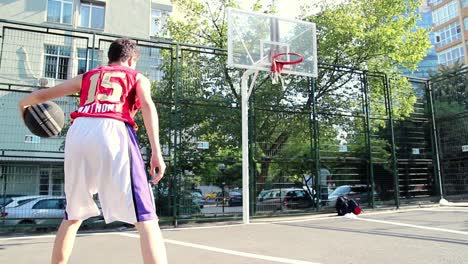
{"points": [[44, 120]]}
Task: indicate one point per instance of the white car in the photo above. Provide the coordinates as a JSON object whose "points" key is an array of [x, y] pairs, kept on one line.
{"points": [[42, 210], [359, 193], [19, 200]]}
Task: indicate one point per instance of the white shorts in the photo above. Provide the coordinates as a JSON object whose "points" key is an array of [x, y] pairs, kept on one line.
{"points": [[102, 156]]}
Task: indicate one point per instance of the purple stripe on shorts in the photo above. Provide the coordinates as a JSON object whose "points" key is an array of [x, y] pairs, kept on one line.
{"points": [[66, 215], [141, 191]]}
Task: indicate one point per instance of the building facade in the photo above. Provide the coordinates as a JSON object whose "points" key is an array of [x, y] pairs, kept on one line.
{"points": [[430, 62], [44, 42], [450, 28]]}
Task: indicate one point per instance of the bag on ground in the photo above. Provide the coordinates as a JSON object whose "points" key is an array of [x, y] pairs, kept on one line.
{"points": [[344, 205]]}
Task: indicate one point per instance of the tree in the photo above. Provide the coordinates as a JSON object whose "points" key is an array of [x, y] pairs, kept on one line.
{"points": [[450, 97], [450, 86], [373, 35]]}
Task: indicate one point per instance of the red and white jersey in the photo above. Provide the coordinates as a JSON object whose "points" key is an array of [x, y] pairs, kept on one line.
{"points": [[109, 91]]}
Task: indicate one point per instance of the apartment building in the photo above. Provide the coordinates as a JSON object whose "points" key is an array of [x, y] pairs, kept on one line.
{"points": [[450, 27], [430, 61], [44, 42]]}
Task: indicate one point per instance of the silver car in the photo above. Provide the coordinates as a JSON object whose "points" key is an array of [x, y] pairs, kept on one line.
{"points": [[19, 200], [48, 210], [43, 210]]}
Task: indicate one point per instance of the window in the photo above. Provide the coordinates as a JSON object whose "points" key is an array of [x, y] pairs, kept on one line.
{"points": [[50, 204], [51, 181], [452, 55], [88, 59], [60, 11], [445, 13], [56, 60], [158, 20], [434, 2], [300, 194], [21, 202], [464, 3], [448, 34], [465, 22], [150, 63], [92, 15], [155, 70], [155, 22], [44, 182]]}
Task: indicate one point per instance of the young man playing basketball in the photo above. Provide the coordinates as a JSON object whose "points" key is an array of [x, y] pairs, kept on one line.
{"points": [[102, 154]]}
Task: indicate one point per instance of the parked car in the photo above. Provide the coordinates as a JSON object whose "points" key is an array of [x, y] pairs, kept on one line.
{"points": [[7, 198], [282, 199], [210, 196], [19, 200], [43, 210], [198, 199], [229, 198], [359, 193]]}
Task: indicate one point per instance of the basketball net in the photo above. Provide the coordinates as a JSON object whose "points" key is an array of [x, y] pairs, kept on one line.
{"points": [[278, 62]]}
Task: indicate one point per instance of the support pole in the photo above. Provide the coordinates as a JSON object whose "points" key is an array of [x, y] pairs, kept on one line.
{"points": [[245, 94], [396, 179], [436, 150]]}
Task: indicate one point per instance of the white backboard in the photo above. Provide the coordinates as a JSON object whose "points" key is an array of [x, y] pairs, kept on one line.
{"points": [[254, 37]]}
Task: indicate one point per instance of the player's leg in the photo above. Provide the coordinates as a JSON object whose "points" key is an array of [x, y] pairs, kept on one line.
{"points": [[152, 245], [125, 193], [79, 189], [64, 241]]}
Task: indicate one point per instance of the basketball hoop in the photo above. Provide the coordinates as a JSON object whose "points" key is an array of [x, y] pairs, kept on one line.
{"points": [[267, 49], [279, 60]]}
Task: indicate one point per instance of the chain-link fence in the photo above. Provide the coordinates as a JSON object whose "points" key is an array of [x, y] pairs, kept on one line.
{"points": [[450, 92], [312, 141]]}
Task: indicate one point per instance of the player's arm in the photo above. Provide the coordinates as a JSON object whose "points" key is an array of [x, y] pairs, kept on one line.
{"points": [[150, 118], [68, 87]]}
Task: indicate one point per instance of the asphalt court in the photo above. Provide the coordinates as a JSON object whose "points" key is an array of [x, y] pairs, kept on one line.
{"points": [[426, 235]]}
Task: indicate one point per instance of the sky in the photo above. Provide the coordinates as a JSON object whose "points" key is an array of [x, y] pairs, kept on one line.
{"points": [[286, 8]]}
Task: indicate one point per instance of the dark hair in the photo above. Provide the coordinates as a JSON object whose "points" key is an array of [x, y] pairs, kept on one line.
{"points": [[122, 49]]}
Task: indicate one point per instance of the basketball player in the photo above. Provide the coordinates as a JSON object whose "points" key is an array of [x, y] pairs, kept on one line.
{"points": [[102, 154]]}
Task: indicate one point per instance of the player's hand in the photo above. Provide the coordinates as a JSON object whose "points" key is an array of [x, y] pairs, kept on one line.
{"points": [[157, 163]]}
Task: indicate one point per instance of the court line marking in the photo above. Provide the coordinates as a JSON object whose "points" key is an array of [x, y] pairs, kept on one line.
{"points": [[413, 226], [229, 252], [204, 227], [303, 220], [53, 236], [448, 210]]}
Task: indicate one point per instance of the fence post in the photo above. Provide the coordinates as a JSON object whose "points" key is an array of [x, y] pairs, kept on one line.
{"points": [[93, 49], [435, 142], [311, 144], [3, 175], [175, 200], [1, 48], [313, 86], [392, 131], [365, 88], [252, 167]]}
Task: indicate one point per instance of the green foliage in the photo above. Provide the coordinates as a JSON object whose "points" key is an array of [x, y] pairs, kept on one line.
{"points": [[450, 96], [374, 35], [450, 89], [371, 34]]}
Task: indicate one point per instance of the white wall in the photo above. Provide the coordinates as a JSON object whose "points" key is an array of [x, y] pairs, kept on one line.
{"points": [[31, 11]]}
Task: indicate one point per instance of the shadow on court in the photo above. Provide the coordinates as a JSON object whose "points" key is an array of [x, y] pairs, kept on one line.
{"points": [[430, 235]]}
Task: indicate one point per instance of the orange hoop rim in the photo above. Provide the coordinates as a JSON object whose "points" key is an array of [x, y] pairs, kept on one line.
{"points": [[277, 64]]}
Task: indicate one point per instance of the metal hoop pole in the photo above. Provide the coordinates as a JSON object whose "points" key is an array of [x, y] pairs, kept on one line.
{"points": [[245, 94]]}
